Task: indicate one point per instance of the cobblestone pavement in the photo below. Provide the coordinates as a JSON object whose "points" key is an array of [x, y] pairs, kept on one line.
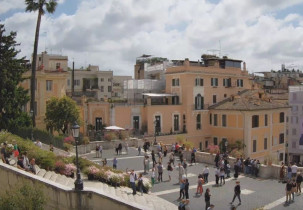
{"points": [[255, 192]]}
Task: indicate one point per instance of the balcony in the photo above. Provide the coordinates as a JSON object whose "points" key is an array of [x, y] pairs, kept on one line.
{"points": [[204, 107]]}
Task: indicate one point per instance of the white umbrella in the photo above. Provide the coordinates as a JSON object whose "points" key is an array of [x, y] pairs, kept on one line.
{"points": [[113, 127]]}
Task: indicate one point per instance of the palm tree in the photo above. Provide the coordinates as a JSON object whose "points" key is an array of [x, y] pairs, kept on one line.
{"points": [[41, 6]]}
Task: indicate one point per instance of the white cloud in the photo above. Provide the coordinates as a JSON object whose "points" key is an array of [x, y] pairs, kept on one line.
{"points": [[7, 5], [113, 33]]}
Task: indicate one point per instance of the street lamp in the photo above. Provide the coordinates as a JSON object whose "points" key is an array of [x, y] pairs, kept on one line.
{"points": [[78, 182], [155, 123], [32, 133]]}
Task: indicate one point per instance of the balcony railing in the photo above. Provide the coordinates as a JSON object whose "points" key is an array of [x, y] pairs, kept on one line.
{"points": [[204, 107]]}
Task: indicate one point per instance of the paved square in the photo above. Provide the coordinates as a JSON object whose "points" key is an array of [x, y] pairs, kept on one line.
{"points": [[255, 192]]}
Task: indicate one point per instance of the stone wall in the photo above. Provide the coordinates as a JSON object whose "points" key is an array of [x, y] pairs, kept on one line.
{"points": [[132, 142], [60, 196]]}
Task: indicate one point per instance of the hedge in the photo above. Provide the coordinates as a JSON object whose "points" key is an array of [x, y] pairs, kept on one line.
{"points": [[44, 136]]}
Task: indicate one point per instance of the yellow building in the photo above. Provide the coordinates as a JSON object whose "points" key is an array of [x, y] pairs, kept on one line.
{"points": [[51, 77], [254, 119]]}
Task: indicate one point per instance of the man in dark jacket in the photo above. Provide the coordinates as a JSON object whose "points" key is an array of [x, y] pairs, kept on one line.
{"points": [[207, 198], [237, 191]]}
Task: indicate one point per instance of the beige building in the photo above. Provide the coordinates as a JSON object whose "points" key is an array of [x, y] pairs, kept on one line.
{"points": [[51, 77]]}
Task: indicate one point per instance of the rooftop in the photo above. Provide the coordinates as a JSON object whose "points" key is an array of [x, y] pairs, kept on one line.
{"points": [[249, 100]]}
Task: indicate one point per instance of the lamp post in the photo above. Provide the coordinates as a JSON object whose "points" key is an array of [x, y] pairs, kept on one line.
{"points": [[78, 182], [32, 133], [155, 123]]}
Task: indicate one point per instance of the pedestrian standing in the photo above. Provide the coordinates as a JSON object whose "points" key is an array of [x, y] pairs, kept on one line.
{"points": [[185, 167], [182, 186], [294, 169], [289, 172], [293, 189], [207, 198], [104, 162], [172, 159], [217, 174], [299, 180], [132, 180], [139, 150], [160, 172], [181, 156], [227, 170], [288, 188], [222, 176], [97, 150], [140, 183], [100, 151], [237, 192], [205, 174], [165, 151], [181, 172], [186, 187], [115, 163], [200, 187], [153, 158], [193, 158], [169, 170], [145, 164], [126, 147], [217, 157], [282, 172], [153, 176]]}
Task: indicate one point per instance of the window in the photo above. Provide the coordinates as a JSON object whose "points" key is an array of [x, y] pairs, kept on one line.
{"points": [[215, 141], [77, 82], [294, 131], [57, 65], [255, 121], [296, 119], [102, 79], [49, 85], [214, 82], [281, 138], [199, 102], [224, 120], [227, 82], [175, 82], [175, 100], [281, 157], [176, 122], [109, 88], [215, 120], [265, 143], [109, 79], [158, 124], [293, 144], [265, 120], [68, 82], [198, 122], [210, 118], [206, 144], [102, 89], [214, 99], [225, 95], [199, 82], [281, 117], [254, 145], [239, 82]]}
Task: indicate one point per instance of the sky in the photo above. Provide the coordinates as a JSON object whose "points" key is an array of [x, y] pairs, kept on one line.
{"points": [[113, 33]]}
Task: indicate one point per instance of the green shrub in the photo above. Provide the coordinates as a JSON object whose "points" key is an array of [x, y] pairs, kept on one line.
{"points": [[24, 197]]}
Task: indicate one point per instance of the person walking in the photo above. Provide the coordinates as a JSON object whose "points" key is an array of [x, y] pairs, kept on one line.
{"points": [[237, 192], [145, 164], [169, 170], [193, 158], [299, 180], [172, 158], [289, 172], [181, 156], [185, 167], [217, 159], [217, 174], [139, 150], [294, 169], [288, 188], [165, 151], [97, 150], [153, 176], [207, 198], [160, 172], [205, 174], [181, 172]]}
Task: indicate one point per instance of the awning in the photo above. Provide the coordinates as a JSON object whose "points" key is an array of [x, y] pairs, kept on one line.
{"points": [[157, 94], [113, 127]]}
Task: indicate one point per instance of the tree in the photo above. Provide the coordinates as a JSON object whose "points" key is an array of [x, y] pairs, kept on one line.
{"points": [[60, 113], [12, 96], [41, 6]]}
